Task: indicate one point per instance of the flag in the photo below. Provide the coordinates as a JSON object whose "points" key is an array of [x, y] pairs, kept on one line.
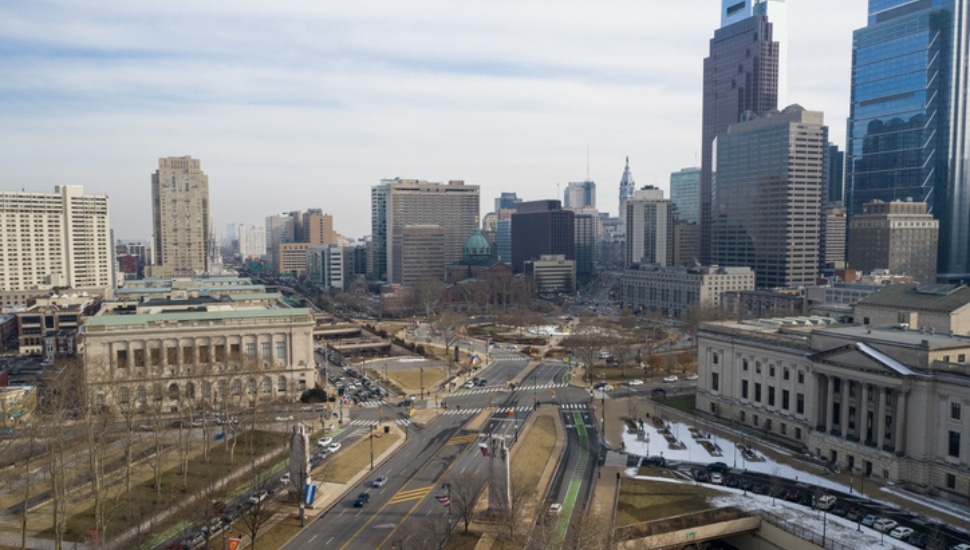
{"points": [[233, 544], [483, 447], [443, 499]]}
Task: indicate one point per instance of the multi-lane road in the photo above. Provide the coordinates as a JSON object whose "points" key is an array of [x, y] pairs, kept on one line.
{"points": [[405, 508]]}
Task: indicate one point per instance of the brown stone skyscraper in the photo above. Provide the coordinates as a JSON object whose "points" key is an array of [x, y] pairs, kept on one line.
{"points": [[180, 216], [740, 74]]}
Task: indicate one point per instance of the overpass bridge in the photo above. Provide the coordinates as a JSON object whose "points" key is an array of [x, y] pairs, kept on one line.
{"points": [[686, 529]]}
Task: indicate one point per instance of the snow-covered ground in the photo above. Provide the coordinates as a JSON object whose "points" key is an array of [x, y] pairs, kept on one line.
{"points": [[655, 444], [731, 455]]}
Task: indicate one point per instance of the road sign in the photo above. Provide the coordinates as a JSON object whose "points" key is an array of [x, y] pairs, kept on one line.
{"points": [[309, 494]]}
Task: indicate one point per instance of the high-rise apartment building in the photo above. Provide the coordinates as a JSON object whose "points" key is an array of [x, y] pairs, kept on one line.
{"points": [[685, 193], [377, 251], [907, 131], [768, 199], [649, 228], [327, 265], [422, 254], [181, 218], [290, 235], [580, 194], [740, 75], [454, 206], [542, 228], [55, 239], [252, 241], [897, 236]]}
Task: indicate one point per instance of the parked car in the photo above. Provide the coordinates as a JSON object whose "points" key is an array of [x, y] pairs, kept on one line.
{"points": [[481, 382], [699, 475], [884, 525], [285, 478], [555, 509], [379, 482], [746, 484], [634, 382], [286, 418], [469, 384], [718, 467], [691, 377], [258, 497], [510, 347], [406, 403], [793, 495], [361, 500], [732, 481], [671, 378], [854, 514], [920, 539], [901, 533], [333, 447], [825, 502], [869, 519], [840, 509], [717, 478]]}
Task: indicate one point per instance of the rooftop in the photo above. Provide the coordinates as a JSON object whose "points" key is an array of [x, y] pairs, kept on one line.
{"points": [[930, 297]]}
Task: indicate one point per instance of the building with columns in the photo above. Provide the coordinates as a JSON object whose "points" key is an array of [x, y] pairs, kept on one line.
{"points": [[884, 402], [170, 344]]}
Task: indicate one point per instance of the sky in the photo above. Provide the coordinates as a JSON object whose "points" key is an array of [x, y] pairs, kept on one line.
{"points": [[307, 104]]}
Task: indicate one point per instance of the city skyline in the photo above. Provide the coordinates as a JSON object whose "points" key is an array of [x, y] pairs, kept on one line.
{"points": [[299, 105]]}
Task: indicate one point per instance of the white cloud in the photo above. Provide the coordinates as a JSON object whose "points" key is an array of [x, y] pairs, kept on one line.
{"points": [[291, 105]]}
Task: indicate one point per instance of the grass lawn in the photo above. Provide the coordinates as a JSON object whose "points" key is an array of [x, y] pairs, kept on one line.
{"points": [[122, 510], [409, 380], [645, 500], [458, 541], [277, 535], [527, 466], [347, 462]]}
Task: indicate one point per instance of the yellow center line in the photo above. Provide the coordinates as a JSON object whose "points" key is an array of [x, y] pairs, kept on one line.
{"points": [[404, 496]]}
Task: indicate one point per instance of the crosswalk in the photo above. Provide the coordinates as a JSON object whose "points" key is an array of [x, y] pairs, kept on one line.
{"points": [[574, 406], [520, 388], [398, 421], [453, 412], [374, 404]]}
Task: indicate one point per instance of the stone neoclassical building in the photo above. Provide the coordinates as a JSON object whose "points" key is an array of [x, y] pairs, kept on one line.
{"points": [[889, 402], [182, 343]]}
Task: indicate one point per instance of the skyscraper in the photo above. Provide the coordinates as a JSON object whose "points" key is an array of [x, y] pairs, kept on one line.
{"points": [[55, 239], [580, 194], [907, 131], [768, 198], [685, 193], [507, 201], [733, 11], [740, 74], [649, 228], [834, 168], [898, 236], [541, 228], [180, 214]]}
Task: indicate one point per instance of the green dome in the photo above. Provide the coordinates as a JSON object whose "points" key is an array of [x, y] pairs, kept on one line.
{"points": [[476, 246]]}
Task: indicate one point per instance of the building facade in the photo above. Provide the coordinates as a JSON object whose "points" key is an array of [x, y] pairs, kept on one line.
{"points": [[580, 194], [907, 131], [553, 273], [740, 75], [687, 244], [213, 342], [649, 228], [881, 402], [768, 199], [55, 239], [897, 236], [326, 265], [541, 228], [454, 206], [676, 290], [685, 193], [252, 241], [833, 237], [422, 254], [181, 218]]}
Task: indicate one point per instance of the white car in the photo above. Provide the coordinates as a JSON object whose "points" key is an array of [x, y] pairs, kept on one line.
{"points": [[670, 378], [901, 533], [691, 377], [325, 441], [470, 384], [334, 447], [825, 502], [884, 525], [284, 418], [258, 497], [635, 383], [285, 478], [555, 509]]}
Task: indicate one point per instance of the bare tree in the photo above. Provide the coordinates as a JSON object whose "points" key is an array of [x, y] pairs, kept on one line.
{"points": [[590, 532], [465, 488], [428, 294], [262, 507], [587, 340]]}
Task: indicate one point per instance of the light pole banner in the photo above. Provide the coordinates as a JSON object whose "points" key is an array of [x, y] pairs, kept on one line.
{"points": [[233, 544]]}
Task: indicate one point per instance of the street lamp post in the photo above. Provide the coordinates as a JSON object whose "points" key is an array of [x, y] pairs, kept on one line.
{"points": [[372, 448], [535, 393], [303, 475], [421, 370]]}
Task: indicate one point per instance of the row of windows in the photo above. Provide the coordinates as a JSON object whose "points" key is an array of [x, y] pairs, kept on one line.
{"points": [[771, 401], [191, 355]]}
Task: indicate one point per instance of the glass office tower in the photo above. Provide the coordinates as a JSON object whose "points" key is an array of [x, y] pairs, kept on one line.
{"points": [[907, 125]]}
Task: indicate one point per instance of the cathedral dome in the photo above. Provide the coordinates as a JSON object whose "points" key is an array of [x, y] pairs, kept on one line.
{"points": [[476, 247]]}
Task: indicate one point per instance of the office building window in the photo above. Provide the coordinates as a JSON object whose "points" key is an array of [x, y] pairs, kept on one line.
{"points": [[954, 444], [955, 411], [744, 389], [800, 403]]}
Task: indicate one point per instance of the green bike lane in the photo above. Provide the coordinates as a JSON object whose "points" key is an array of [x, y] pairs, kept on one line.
{"points": [[575, 482]]}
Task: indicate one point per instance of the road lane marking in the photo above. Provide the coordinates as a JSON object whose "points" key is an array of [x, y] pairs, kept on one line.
{"points": [[404, 496]]}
